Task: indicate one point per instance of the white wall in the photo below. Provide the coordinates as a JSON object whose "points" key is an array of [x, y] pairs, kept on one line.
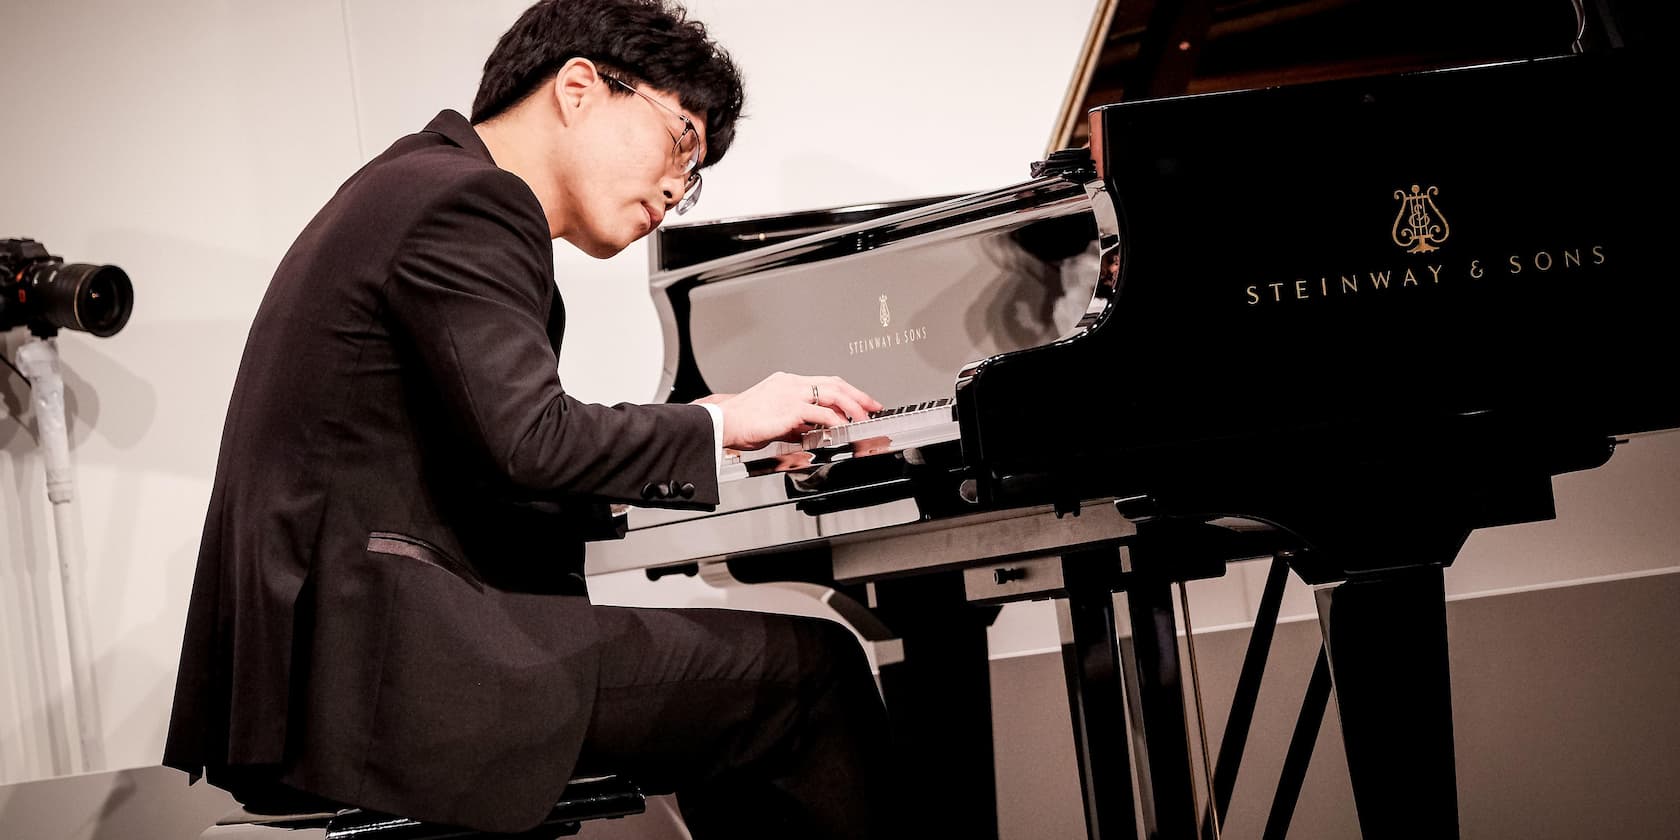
{"points": [[188, 141]]}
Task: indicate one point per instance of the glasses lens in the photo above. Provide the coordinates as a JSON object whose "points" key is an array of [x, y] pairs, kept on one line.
{"points": [[691, 195], [688, 148]]}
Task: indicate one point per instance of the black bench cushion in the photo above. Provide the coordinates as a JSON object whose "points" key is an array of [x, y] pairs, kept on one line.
{"points": [[599, 797]]}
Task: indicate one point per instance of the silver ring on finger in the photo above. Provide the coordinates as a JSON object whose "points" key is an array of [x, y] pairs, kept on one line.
{"points": [[814, 397]]}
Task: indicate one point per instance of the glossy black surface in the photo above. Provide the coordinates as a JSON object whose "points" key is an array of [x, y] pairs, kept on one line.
{"points": [[1267, 314], [1377, 314], [1386, 643], [895, 303], [675, 247]]}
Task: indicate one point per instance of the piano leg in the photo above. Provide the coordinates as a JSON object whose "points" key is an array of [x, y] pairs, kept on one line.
{"points": [[940, 704], [1147, 669], [1163, 744], [1096, 695], [1387, 642]]}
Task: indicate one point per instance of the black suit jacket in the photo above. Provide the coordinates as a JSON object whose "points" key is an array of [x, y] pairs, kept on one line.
{"points": [[388, 608]]}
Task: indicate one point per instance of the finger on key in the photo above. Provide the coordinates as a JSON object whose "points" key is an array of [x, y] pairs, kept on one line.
{"points": [[866, 404], [817, 415]]}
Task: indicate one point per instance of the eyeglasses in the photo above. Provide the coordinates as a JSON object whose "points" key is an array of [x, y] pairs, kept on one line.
{"points": [[685, 148]]}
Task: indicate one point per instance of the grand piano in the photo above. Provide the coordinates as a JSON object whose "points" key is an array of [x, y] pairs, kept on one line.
{"points": [[1339, 323]]}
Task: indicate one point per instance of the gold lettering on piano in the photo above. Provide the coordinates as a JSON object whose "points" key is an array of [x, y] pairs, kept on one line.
{"points": [[1395, 279], [896, 338], [882, 341], [1545, 261], [1419, 226]]}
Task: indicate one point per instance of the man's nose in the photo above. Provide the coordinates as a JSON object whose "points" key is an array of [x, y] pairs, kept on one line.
{"points": [[672, 188]]}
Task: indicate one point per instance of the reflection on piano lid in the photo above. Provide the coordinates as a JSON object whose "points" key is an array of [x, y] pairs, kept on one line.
{"points": [[894, 304]]}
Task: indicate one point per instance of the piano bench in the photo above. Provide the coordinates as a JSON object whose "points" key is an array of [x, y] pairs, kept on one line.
{"points": [[595, 798]]}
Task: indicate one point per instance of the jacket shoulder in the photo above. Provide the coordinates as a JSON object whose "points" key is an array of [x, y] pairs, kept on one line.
{"points": [[424, 170]]}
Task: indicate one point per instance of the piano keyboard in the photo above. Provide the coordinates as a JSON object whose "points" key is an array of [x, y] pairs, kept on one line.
{"points": [[887, 430], [888, 422]]}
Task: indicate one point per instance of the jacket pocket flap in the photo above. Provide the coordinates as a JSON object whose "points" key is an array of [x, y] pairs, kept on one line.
{"points": [[402, 545]]}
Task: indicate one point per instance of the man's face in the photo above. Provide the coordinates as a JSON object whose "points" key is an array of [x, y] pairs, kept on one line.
{"points": [[625, 168]]}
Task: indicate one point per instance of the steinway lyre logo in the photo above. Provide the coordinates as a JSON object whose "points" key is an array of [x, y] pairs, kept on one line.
{"points": [[1419, 226], [887, 338]]}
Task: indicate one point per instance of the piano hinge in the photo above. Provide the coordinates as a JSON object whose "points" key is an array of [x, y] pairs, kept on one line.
{"points": [[1066, 163]]}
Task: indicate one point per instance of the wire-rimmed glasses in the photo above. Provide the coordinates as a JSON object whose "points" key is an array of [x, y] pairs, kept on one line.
{"points": [[685, 147]]}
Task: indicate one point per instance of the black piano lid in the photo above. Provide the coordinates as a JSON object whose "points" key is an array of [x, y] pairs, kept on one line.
{"points": [[896, 303], [1135, 51], [1274, 284], [677, 246]]}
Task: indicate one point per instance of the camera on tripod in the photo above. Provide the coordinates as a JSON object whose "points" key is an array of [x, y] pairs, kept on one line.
{"points": [[42, 292]]}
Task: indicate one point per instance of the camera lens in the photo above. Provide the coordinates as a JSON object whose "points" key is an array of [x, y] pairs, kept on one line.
{"points": [[94, 298], [102, 298], [39, 290]]}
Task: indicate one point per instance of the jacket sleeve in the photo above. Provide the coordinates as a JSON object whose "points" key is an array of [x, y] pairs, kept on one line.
{"points": [[470, 290]]}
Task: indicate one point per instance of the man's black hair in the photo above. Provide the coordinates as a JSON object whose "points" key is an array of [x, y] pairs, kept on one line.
{"points": [[645, 42]]}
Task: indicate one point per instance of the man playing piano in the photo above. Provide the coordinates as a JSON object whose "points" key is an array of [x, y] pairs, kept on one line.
{"points": [[388, 611]]}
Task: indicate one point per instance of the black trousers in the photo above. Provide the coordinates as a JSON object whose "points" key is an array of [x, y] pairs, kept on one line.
{"points": [[763, 725]]}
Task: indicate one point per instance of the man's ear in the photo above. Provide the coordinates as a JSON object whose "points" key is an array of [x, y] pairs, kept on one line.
{"points": [[574, 85]]}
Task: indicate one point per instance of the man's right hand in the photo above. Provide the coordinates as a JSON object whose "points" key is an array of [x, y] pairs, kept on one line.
{"points": [[784, 406]]}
